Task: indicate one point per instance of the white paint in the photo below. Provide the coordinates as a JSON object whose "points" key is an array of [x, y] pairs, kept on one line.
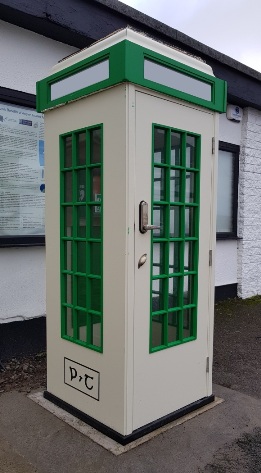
{"points": [[226, 262], [249, 220], [229, 131], [26, 57], [226, 250], [22, 289]]}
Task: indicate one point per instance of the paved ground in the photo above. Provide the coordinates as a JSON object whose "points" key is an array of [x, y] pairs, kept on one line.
{"points": [[226, 439]]}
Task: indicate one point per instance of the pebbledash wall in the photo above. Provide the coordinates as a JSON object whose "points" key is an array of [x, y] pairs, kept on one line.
{"points": [[25, 57], [249, 204]]}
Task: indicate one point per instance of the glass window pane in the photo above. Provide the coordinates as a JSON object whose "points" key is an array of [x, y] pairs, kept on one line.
{"points": [[159, 184], [188, 323], [95, 330], [188, 290], [173, 299], [68, 152], [82, 325], [175, 185], [81, 221], [68, 221], [190, 187], [174, 257], [81, 149], [157, 295], [95, 224], [68, 190], [81, 256], [158, 258], [191, 152], [159, 145], [68, 256], [68, 289], [81, 185], [96, 184], [95, 293], [157, 331], [189, 256], [225, 192], [95, 258], [174, 223], [95, 137], [190, 222], [81, 291], [176, 80], [68, 321], [159, 220], [175, 159], [84, 78], [173, 320]]}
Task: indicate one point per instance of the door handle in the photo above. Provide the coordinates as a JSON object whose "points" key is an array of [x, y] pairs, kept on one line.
{"points": [[151, 227], [144, 217]]}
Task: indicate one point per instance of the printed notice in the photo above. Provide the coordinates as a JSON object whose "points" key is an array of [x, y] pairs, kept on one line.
{"points": [[22, 187], [82, 378]]}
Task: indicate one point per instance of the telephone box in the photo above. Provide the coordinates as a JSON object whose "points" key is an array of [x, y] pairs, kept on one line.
{"points": [[130, 128]]}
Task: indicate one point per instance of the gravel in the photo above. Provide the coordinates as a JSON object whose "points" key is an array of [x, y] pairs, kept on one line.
{"points": [[237, 353], [24, 374]]}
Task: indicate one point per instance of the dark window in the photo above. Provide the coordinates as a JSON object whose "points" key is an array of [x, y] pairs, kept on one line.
{"points": [[227, 190]]}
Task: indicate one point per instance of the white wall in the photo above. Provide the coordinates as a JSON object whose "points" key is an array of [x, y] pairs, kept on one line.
{"points": [[226, 263], [226, 250], [25, 57], [22, 283]]}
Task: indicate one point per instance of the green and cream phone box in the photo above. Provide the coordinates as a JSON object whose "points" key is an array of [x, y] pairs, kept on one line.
{"points": [[130, 197]]}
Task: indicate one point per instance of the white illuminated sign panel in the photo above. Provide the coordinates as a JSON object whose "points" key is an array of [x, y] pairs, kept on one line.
{"points": [[176, 80], [90, 76]]}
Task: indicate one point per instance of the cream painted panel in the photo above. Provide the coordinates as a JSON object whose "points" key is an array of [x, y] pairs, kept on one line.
{"points": [[175, 377], [109, 108]]}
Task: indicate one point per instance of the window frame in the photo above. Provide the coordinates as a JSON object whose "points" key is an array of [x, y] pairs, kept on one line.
{"points": [[162, 314], [87, 276], [235, 150], [22, 99]]}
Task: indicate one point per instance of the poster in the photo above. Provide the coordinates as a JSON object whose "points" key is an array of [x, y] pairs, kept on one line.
{"points": [[22, 187]]}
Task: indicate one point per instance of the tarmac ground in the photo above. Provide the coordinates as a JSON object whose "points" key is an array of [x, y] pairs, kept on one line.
{"points": [[225, 439]]}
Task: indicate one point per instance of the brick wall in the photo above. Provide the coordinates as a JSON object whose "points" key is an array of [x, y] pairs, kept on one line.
{"points": [[249, 206]]}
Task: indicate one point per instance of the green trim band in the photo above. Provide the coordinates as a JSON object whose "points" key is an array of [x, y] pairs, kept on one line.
{"points": [[126, 64]]}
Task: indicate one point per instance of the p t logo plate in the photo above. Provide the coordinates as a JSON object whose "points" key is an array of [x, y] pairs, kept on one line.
{"points": [[82, 378]]}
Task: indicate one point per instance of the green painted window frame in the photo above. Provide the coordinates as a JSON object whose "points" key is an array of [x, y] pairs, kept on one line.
{"points": [[162, 316], [126, 64], [82, 240]]}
